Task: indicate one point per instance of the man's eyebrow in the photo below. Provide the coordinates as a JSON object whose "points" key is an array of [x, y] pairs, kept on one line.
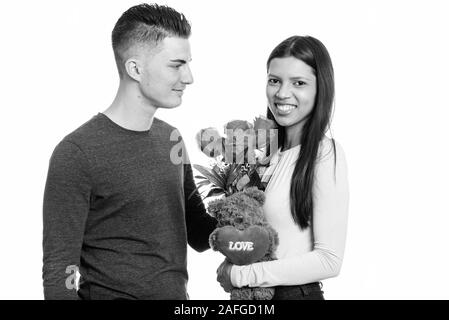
{"points": [[179, 61]]}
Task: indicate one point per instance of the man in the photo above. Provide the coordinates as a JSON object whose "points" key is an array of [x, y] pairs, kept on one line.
{"points": [[117, 203]]}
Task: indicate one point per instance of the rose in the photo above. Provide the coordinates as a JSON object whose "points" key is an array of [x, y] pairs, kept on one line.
{"points": [[240, 142], [240, 146], [239, 157], [238, 124], [210, 142], [263, 123], [244, 139], [266, 131], [245, 143]]}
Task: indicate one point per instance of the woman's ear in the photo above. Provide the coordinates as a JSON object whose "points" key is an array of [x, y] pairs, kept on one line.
{"points": [[133, 69]]}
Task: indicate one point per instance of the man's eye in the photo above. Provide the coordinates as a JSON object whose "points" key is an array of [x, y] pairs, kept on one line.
{"points": [[273, 81], [177, 66]]}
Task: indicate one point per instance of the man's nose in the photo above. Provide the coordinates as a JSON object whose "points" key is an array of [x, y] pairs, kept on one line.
{"points": [[187, 77]]}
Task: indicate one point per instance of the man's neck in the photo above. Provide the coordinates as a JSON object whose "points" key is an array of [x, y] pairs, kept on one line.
{"points": [[130, 112]]}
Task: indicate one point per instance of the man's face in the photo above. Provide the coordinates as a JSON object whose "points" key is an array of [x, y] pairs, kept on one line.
{"points": [[166, 73]]}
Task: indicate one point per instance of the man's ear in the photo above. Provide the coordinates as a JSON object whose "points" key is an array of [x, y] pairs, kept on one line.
{"points": [[133, 69]]}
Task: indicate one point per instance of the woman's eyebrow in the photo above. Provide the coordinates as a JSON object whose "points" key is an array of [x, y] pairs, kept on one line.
{"points": [[291, 78], [300, 78]]}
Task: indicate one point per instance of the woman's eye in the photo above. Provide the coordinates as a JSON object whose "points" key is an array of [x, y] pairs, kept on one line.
{"points": [[273, 81], [299, 83]]}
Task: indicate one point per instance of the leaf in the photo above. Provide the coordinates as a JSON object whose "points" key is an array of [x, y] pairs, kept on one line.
{"points": [[215, 192], [210, 175], [254, 180], [219, 175], [203, 183], [193, 192], [218, 171], [242, 182], [233, 173]]}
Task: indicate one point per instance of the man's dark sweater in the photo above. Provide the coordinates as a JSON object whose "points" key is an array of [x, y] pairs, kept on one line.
{"points": [[118, 207]]}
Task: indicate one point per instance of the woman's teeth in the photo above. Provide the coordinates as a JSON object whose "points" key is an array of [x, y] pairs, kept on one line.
{"points": [[286, 108]]}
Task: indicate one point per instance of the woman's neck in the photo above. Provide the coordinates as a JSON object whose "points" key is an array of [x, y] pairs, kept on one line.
{"points": [[292, 137]]}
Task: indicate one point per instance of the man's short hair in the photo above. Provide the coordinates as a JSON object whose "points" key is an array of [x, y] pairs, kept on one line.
{"points": [[146, 24]]}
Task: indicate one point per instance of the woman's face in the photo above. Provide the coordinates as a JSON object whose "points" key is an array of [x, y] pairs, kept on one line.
{"points": [[291, 91]]}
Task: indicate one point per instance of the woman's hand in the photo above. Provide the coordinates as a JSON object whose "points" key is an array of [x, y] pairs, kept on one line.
{"points": [[224, 275]]}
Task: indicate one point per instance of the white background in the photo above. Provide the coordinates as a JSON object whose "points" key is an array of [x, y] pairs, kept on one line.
{"points": [[391, 66]]}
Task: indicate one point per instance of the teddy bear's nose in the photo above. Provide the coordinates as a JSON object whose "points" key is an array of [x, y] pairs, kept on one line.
{"points": [[238, 219]]}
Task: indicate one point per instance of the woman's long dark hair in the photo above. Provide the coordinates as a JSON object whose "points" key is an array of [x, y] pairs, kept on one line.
{"points": [[312, 52]]}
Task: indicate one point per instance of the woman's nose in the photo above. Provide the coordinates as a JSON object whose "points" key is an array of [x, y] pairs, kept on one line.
{"points": [[283, 92]]}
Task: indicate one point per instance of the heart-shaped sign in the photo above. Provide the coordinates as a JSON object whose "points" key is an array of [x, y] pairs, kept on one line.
{"points": [[243, 247]]}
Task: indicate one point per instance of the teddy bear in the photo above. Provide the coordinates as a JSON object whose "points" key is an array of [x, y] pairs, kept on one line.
{"points": [[243, 235]]}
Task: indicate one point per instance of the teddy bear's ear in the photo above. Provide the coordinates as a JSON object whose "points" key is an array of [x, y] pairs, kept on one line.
{"points": [[215, 207], [256, 194]]}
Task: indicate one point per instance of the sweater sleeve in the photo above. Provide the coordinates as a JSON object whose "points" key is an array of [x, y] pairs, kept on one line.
{"points": [[199, 223], [65, 210], [331, 198]]}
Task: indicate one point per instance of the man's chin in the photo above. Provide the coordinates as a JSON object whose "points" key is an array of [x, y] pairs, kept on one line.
{"points": [[169, 105]]}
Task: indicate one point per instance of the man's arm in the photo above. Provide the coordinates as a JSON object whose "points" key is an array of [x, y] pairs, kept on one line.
{"points": [[199, 223], [65, 210]]}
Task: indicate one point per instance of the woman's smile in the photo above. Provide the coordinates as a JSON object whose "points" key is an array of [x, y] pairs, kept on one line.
{"points": [[285, 109]]}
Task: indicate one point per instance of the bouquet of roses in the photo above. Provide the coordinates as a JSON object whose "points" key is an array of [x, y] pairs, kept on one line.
{"points": [[239, 157], [242, 235]]}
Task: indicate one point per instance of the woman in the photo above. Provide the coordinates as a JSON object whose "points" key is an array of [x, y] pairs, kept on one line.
{"points": [[307, 194]]}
